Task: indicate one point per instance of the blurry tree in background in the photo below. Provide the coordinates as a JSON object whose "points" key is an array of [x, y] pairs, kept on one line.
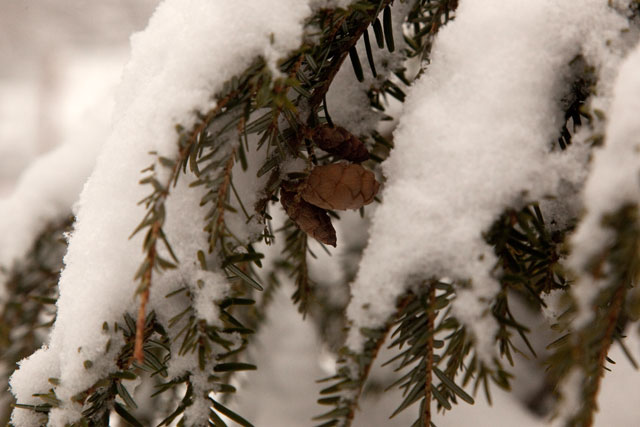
{"points": [[295, 155], [58, 59]]}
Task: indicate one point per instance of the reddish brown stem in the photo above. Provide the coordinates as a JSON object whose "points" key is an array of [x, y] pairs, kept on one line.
{"points": [[365, 372], [612, 320], [138, 353], [429, 364]]}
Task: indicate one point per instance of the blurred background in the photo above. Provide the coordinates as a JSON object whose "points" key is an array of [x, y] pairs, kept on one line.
{"points": [[59, 61]]}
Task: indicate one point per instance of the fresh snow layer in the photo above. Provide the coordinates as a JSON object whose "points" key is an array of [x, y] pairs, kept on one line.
{"points": [[45, 193], [613, 181], [189, 49], [475, 138]]}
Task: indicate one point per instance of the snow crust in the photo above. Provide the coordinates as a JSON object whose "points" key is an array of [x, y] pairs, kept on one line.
{"points": [[612, 183], [189, 49], [475, 138]]}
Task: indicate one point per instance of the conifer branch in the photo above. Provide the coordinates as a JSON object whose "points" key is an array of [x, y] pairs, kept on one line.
{"points": [[437, 354], [622, 258], [362, 22], [612, 318], [221, 200], [29, 308], [154, 219], [429, 350], [617, 267], [353, 372]]}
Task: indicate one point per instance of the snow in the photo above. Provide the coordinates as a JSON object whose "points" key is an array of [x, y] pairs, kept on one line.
{"points": [[210, 287], [612, 183], [18, 104], [46, 191], [189, 49], [474, 139]]}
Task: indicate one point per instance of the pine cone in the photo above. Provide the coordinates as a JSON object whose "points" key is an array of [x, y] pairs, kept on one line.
{"points": [[339, 141], [311, 219], [340, 186]]}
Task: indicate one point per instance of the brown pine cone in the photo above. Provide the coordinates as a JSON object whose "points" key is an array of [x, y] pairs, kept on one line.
{"points": [[340, 142], [340, 186], [311, 219]]}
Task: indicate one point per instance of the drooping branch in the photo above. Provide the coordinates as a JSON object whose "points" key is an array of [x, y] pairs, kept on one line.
{"points": [[155, 216], [429, 350]]}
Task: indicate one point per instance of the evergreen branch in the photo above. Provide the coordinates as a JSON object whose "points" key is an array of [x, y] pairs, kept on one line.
{"points": [[619, 265], [155, 216], [215, 229], [31, 294], [529, 255], [196, 337], [138, 353], [575, 101], [426, 18], [201, 338], [98, 399], [295, 262], [357, 23], [416, 328], [612, 317], [429, 350], [352, 374]]}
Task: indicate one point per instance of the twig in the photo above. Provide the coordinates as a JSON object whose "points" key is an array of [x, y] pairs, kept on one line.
{"points": [[612, 320], [364, 374], [222, 195], [429, 364]]}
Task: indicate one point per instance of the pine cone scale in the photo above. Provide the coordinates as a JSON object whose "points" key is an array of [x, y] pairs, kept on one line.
{"points": [[340, 186], [309, 218], [340, 142]]}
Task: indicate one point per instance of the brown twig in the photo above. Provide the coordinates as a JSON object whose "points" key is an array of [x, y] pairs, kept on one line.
{"points": [[364, 373], [429, 364], [138, 353], [612, 320], [222, 195]]}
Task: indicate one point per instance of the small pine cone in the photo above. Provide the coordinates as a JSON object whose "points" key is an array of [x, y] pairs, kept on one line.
{"points": [[340, 186], [340, 142], [311, 219]]}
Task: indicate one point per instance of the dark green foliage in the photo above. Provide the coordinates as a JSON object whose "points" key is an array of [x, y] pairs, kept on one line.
{"points": [[355, 62], [439, 360], [346, 386], [586, 348], [30, 309], [530, 266], [574, 103], [295, 263], [367, 46], [388, 29], [426, 18]]}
